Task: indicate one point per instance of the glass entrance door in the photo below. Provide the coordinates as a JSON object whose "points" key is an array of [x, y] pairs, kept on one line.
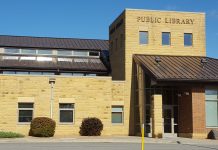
{"points": [[169, 120]]}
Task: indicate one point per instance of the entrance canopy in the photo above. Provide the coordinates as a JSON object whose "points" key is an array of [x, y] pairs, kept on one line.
{"points": [[179, 68]]}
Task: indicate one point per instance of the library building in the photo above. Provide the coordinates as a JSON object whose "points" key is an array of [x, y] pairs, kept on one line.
{"points": [[153, 70]]}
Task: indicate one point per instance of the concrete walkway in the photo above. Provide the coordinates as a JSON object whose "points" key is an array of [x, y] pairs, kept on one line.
{"points": [[109, 139]]}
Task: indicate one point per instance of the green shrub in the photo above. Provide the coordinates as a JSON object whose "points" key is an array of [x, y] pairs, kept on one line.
{"points": [[4, 134], [91, 127], [42, 127]]}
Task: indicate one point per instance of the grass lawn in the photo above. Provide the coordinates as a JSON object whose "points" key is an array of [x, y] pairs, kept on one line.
{"points": [[4, 134]]}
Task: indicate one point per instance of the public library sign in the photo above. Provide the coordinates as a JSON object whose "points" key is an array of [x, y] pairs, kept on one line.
{"points": [[149, 19]]}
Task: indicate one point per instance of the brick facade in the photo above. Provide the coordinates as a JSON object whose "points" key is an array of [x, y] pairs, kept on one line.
{"points": [[192, 113]]}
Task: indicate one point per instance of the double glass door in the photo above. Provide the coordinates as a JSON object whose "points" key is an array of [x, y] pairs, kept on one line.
{"points": [[170, 118]]}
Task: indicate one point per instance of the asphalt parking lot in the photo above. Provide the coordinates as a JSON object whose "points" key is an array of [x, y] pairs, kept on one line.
{"points": [[102, 146]]}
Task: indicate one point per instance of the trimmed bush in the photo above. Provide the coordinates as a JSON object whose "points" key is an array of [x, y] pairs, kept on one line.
{"points": [[91, 127], [4, 134], [42, 127]]}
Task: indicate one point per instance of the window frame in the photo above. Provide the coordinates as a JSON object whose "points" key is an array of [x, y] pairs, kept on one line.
{"points": [[191, 39], [169, 40], [140, 38], [122, 123], [30, 109], [68, 109], [210, 100], [19, 51]]}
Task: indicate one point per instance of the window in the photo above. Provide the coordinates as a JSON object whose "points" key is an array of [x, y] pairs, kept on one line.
{"points": [[91, 74], [10, 57], [12, 50], [66, 74], [25, 112], [116, 44], [44, 59], [48, 73], [28, 51], [121, 40], [66, 112], [188, 39], [165, 38], [64, 52], [143, 37], [80, 53], [78, 74], [93, 53], [22, 72], [9, 72], [111, 46], [211, 107], [45, 52], [35, 73], [117, 114], [65, 59], [27, 58]]}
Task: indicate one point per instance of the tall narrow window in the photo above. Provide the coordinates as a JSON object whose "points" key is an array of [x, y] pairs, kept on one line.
{"points": [[211, 107], [25, 112], [143, 37], [121, 40], [117, 114], [165, 38], [66, 112], [188, 39], [116, 44]]}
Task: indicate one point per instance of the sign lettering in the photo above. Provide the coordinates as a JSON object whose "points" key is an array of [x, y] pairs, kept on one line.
{"points": [[148, 19]]}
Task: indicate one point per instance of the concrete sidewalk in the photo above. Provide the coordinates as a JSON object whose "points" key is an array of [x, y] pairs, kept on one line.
{"points": [[109, 139]]}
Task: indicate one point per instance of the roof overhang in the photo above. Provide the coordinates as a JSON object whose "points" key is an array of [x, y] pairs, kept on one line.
{"points": [[180, 69]]}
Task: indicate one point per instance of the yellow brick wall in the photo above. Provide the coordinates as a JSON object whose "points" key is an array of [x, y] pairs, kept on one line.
{"points": [[156, 113], [131, 28], [118, 99], [92, 97]]}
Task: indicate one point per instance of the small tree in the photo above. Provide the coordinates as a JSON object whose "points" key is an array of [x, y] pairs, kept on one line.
{"points": [[42, 127], [91, 127]]}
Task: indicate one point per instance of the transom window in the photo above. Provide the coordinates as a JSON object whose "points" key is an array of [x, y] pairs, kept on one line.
{"points": [[143, 37], [117, 115], [52, 52], [64, 52], [45, 52], [66, 112], [28, 51], [25, 112], [165, 38], [80, 53], [12, 50], [188, 39], [211, 107]]}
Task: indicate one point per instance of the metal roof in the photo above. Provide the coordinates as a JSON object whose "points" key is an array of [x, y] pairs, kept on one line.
{"points": [[77, 64], [179, 68], [53, 43]]}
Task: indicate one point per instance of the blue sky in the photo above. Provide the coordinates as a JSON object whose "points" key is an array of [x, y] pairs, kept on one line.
{"points": [[91, 18]]}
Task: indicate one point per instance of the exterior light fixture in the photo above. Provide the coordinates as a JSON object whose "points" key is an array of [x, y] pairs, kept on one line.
{"points": [[186, 93], [203, 62], [51, 82], [157, 60], [179, 95]]}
